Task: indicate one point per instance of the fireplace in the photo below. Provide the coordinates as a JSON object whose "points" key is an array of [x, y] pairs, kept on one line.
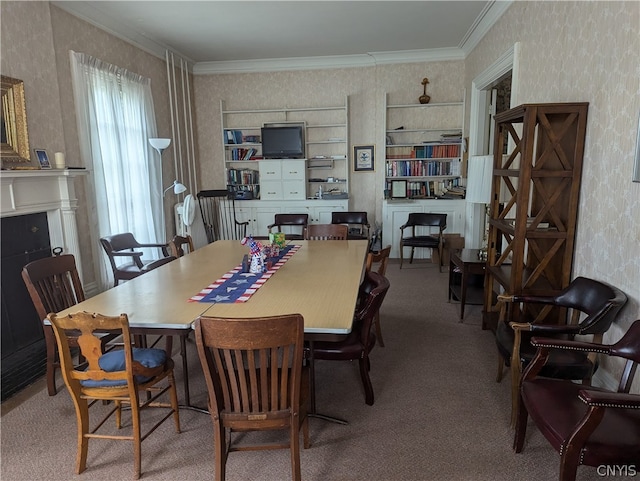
{"points": [[38, 210]]}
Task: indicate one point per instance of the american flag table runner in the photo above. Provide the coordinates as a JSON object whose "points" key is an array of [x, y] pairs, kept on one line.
{"points": [[238, 286]]}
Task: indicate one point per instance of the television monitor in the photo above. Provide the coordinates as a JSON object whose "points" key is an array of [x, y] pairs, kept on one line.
{"points": [[283, 142]]}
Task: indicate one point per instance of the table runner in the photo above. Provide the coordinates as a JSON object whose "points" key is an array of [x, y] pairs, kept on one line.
{"points": [[238, 286]]}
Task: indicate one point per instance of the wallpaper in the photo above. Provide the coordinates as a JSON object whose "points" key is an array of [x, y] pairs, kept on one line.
{"points": [[587, 51]]}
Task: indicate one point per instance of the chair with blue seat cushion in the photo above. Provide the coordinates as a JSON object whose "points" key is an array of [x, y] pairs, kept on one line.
{"points": [[117, 376]]}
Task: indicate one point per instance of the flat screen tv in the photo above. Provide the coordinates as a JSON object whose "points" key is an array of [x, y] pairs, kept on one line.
{"points": [[283, 142]]}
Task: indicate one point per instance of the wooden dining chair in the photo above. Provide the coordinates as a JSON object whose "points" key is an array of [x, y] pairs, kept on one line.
{"points": [[53, 284], [255, 381], [380, 258], [326, 232], [117, 376], [360, 341], [178, 243]]}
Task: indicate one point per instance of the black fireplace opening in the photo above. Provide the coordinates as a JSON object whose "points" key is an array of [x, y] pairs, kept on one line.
{"points": [[24, 238]]}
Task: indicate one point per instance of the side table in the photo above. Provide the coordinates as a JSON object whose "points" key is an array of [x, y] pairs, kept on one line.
{"points": [[466, 263]]}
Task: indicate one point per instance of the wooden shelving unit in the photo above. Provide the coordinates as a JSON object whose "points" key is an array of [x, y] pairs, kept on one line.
{"points": [[534, 207]]}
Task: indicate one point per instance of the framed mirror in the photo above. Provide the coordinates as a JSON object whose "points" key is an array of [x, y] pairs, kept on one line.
{"points": [[15, 138]]}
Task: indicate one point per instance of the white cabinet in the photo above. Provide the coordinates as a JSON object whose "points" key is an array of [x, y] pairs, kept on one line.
{"points": [[396, 213], [260, 213], [282, 179], [326, 147]]}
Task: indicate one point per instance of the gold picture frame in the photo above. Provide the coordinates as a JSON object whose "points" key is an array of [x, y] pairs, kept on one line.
{"points": [[14, 146]]}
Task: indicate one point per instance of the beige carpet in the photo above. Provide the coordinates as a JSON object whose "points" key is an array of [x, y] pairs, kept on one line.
{"points": [[438, 413]]}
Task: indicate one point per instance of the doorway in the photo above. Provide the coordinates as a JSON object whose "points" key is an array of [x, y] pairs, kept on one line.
{"points": [[499, 81]]}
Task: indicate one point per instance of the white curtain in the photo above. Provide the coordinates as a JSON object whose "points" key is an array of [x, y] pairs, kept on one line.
{"points": [[115, 115]]}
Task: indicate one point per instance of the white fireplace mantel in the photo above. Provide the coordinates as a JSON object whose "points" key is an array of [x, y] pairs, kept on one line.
{"points": [[51, 191]]}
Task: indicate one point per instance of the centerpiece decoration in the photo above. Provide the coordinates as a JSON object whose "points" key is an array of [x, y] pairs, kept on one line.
{"points": [[256, 255]]}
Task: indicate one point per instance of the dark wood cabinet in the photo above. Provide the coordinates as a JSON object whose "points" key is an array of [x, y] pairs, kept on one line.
{"points": [[536, 176]]}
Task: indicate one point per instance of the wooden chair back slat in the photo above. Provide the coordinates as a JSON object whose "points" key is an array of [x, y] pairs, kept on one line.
{"points": [[255, 380], [326, 232]]}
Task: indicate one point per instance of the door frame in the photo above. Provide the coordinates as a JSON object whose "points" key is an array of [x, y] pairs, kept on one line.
{"points": [[479, 125]]}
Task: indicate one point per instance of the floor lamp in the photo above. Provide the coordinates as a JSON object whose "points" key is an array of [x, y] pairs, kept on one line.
{"points": [[479, 191]]}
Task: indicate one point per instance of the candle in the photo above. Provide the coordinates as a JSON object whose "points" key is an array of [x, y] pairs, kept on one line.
{"points": [[58, 160]]}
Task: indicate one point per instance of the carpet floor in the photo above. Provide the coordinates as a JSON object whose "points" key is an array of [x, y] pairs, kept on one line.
{"points": [[438, 414]]}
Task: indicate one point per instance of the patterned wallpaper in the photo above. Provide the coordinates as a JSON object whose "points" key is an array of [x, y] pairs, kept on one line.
{"points": [[587, 51]]}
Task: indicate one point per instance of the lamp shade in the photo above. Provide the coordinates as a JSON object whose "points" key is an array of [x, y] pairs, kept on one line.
{"points": [[178, 188], [479, 179], [160, 144]]}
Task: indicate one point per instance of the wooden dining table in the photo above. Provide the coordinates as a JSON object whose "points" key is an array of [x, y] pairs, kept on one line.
{"points": [[320, 281]]}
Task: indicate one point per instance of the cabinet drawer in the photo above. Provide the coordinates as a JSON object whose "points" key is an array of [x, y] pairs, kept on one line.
{"points": [[270, 170], [271, 190], [293, 189], [293, 170]]}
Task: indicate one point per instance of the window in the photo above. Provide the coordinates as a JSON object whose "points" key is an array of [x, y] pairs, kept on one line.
{"points": [[114, 108]]}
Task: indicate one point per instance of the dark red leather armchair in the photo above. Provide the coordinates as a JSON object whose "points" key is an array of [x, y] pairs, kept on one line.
{"points": [[591, 308], [588, 426]]}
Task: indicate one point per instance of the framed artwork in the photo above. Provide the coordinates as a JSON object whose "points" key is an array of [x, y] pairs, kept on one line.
{"points": [[398, 189], [363, 158], [43, 158]]}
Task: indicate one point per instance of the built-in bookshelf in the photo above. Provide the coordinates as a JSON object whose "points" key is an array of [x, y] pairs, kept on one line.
{"points": [[423, 151], [326, 147]]}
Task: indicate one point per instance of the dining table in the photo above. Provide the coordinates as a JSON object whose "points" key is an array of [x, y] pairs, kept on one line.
{"points": [[319, 280]]}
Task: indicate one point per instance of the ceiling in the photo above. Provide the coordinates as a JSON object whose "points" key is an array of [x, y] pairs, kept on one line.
{"points": [[257, 35]]}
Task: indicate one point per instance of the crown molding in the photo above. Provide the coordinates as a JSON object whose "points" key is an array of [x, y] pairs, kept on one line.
{"points": [[487, 18], [85, 10], [327, 62]]}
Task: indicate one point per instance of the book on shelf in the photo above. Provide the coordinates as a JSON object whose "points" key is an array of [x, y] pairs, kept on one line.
{"points": [[233, 136]]}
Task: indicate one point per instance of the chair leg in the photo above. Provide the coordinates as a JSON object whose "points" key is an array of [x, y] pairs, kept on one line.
{"points": [[401, 254], [305, 432], [378, 330], [515, 392], [500, 368], [82, 415], [366, 381], [51, 346], [294, 449], [411, 258], [220, 450], [137, 448], [174, 401], [521, 427]]}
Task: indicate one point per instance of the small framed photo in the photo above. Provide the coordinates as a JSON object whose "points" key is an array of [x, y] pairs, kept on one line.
{"points": [[363, 158], [398, 189], [43, 158]]}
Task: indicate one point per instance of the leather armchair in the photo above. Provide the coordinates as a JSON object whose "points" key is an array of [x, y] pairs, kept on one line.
{"points": [[591, 308], [587, 425]]}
